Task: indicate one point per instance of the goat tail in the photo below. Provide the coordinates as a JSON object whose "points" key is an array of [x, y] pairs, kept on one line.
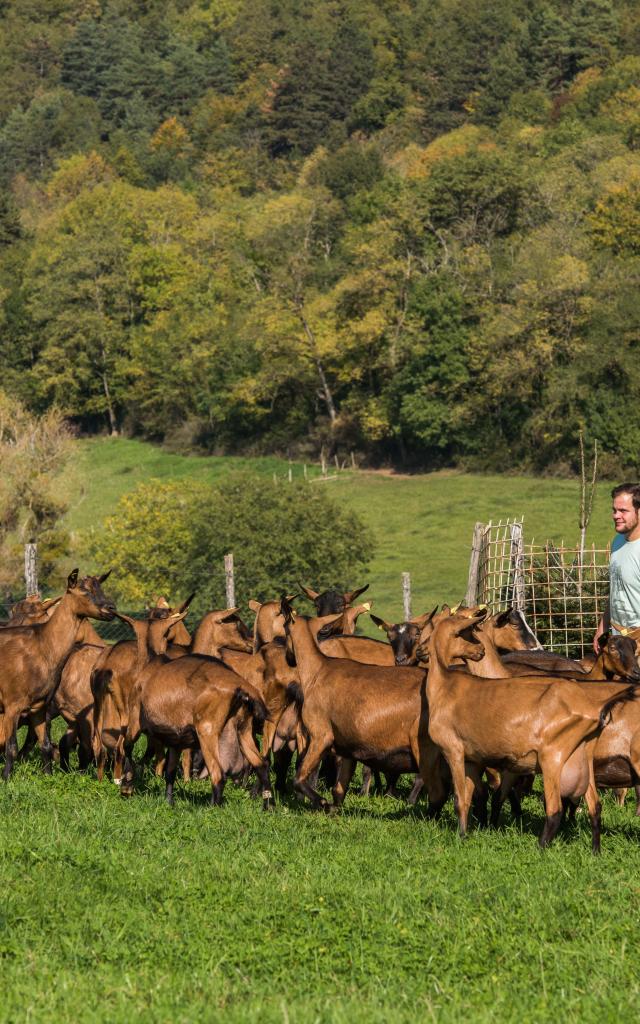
{"points": [[252, 702], [628, 694], [295, 694]]}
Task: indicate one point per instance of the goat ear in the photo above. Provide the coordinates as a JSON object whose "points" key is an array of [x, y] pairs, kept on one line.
{"points": [[422, 620], [255, 606], [105, 576], [351, 595], [72, 580], [329, 628], [380, 623], [185, 604], [311, 594], [446, 610], [503, 618], [49, 603], [138, 625], [230, 615], [285, 608]]}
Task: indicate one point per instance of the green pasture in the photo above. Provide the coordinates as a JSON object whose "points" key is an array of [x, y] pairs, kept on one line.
{"points": [[422, 524], [124, 911], [121, 911]]}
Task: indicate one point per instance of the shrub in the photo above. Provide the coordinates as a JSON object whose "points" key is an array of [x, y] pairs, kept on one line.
{"points": [[171, 538]]}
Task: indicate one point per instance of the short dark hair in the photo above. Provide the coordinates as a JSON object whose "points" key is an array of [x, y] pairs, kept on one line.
{"points": [[632, 489]]}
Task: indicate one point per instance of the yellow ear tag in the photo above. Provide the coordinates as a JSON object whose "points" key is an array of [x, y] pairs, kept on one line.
{"points": [[455, 607], [367, 606]]}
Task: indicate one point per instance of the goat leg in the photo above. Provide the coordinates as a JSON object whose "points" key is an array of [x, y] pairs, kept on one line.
{"points": [[552, 802], [29, 743], [345, 774], [38, 719], [281, 762], [66, 745], [10, 725], [255, 759], [391, 789], [310, 763], [170, 771], [418, 786], [366, 781]]}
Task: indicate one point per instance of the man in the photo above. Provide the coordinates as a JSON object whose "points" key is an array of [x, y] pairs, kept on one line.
{"points": [[623, 607]]}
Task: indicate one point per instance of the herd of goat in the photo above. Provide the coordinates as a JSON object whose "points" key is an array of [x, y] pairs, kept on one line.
{"points": [[465, 701]]}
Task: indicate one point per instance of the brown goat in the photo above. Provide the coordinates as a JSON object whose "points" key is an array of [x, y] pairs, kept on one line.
{"points": [[32, 610], [32, 658], [331, 602], [369, 713], [112, 680], [614, 752], [268, 624], [73, 701], [404, 637], [519, 725], [189, 701]]}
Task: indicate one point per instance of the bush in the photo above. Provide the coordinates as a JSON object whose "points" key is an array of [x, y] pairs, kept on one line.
{"points": [[171, 538]]}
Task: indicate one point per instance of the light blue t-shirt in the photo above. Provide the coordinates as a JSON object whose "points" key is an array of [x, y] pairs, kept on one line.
{"points": [[624, 582]]}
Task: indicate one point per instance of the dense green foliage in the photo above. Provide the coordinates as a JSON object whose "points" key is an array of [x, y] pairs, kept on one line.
{"points": [[34, 450], [408, 229], [168, 538], [129, 910]]}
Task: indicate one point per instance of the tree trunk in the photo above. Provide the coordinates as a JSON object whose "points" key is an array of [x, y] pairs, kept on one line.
{"points": [[113, 426], [325, 390]]}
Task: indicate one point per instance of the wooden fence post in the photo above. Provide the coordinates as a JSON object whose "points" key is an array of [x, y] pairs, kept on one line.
{"points": [[31, 568], [406, 595], [471, 597], [517, 566], [229, 581]]}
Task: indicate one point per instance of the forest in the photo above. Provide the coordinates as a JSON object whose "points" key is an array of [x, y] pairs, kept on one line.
{"points": [[408, 229]]}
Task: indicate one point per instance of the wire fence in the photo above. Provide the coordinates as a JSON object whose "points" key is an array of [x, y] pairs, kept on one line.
{"points": [[560, 589]]}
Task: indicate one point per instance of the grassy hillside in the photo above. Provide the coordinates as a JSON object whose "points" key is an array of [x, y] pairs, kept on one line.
{"points": [[422, 524]]}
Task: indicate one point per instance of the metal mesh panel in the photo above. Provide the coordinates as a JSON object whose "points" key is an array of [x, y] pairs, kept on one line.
{"points": [[562, 591]]}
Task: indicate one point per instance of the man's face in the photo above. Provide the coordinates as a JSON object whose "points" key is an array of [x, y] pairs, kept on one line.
{"points": [[625, 516]]}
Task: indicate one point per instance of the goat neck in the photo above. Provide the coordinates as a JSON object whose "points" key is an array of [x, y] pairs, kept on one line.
{"points": [[309, 659], [490, 665], [59, 632], [446, 645], [218, 630]]}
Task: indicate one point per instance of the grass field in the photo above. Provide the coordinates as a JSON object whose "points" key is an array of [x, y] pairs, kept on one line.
{"points": [[127, 910], [422, 524], [122, 911]]}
